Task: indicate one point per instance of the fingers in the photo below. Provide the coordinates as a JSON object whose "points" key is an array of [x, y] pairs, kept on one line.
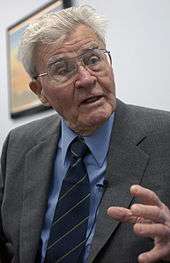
{"points": [[121, 214], [125, 215], [154, 255], [139, 212], [145, 195], [151, 219], [152, 230], [153, 213]]}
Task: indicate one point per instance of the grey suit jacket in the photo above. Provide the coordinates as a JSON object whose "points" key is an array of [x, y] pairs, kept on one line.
{"points": [[139, 154]]}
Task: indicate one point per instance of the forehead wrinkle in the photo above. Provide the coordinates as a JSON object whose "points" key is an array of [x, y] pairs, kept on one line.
{"points": [[76, 46], [79, 42], [80, 37]]}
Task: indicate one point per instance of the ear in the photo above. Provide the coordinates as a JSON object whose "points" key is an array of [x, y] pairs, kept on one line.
{"points": [[36, 87]]}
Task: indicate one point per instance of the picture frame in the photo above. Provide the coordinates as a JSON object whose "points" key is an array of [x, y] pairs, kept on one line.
{"points": [[22, 101]]}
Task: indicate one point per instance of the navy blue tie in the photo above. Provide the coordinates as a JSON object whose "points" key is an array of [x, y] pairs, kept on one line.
{"points": [[67, 239]]}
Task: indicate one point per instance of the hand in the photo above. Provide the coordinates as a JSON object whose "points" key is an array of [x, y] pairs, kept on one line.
{"points": [[150, 219]]}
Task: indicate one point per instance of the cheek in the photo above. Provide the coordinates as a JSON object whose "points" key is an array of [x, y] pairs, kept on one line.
{"points": [[62, 100], [106, 81]]}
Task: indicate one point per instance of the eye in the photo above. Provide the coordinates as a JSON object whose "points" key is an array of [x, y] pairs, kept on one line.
{"points": [[92, 60], [59, 68]]}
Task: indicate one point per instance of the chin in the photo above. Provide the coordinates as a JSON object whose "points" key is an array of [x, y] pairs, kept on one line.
{"points": [[90, 124], [97, 121], [87, 123], [99, 117]]}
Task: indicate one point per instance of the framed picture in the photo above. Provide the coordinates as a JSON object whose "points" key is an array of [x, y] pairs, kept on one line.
{"points": [[22, 101]]}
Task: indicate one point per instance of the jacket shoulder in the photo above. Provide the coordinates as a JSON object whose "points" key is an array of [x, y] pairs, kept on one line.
{"points": [[147, 119], [133, 123], [152, 120], [31, 133]]}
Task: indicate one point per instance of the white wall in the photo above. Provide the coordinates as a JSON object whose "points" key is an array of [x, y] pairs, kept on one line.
{"points": [[138, 37]]}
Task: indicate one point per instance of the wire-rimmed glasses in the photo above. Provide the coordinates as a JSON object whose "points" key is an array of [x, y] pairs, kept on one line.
{"points": [[62, 69]]}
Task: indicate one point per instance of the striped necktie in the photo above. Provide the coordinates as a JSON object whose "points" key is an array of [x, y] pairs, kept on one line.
{"points": [[67, 238]]}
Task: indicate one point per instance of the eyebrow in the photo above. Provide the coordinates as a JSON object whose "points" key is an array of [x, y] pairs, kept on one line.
{"points": [[94, 46], [55, 59]]}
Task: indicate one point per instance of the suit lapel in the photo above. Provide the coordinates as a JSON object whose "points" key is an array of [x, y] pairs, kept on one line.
{"points": [[126, 165], [38, 173]]}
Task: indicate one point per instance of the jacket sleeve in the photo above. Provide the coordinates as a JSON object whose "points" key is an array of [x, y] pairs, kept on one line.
{"points": [[3, 252]]}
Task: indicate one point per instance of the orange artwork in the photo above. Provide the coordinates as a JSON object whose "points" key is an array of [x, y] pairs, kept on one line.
{"points": [[22, 100]]}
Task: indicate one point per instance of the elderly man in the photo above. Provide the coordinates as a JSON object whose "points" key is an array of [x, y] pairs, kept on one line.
{"points": [[65, 180]]}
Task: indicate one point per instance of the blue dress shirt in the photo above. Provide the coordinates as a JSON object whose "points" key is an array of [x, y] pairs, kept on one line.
{"points": [[96, 163]]}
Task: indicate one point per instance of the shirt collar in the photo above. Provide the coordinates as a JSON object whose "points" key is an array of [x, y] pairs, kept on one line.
{"points": [[98, 142]]}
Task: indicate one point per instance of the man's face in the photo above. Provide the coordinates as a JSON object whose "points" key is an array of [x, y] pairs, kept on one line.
{"points": [[86, 101]]}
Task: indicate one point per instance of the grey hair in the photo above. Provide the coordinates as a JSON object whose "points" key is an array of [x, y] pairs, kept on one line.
{"points": [[55, 26]]}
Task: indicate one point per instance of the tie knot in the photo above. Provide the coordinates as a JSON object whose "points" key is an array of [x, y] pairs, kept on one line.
{"points": [[78, 148]]}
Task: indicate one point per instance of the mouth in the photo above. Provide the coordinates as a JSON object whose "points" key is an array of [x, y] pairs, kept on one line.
{"points": [[92, 99]]}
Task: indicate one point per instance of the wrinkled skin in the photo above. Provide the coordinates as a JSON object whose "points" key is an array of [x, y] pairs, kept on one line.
{"points": [[69, 99], [151, 219]]}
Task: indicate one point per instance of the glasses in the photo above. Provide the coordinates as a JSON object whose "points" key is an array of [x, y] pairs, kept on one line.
{"points": [[64, 69]]}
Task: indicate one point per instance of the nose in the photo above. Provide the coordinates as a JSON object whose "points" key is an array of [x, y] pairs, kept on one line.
{"points": [[84, 78]]}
